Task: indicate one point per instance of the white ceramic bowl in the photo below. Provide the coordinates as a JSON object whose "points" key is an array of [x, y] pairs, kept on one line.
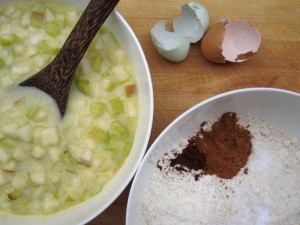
{"points": [[86, 211], [278, 107]]}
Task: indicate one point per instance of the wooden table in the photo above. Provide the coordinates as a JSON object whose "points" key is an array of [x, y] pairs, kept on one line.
{"points": [[178, 86]]}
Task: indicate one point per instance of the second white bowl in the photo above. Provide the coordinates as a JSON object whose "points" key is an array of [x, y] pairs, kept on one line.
{"points": [[278, 107]]}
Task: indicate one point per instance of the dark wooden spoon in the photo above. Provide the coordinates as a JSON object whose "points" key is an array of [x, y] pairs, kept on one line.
{"points": [[56, 78]]}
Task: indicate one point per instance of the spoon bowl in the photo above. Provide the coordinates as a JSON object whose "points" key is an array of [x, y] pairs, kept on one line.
{"points": [[56, 78]]}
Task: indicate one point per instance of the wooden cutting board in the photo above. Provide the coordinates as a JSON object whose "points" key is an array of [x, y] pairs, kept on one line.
{"points": [[178, 86]]}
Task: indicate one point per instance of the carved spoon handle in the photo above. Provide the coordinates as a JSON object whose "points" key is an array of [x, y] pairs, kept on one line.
{"points": [[56, 78]]}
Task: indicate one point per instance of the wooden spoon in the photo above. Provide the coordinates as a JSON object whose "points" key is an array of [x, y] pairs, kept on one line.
{"points": [[56, 78]]}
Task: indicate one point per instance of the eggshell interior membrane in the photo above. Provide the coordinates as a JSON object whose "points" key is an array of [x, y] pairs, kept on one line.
{"points": [[201, 13], [193, 21], [241, 41], [211, 44], [172, 46]]}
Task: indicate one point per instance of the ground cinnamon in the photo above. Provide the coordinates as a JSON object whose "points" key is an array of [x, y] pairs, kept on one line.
{"points": [[221, 151]]}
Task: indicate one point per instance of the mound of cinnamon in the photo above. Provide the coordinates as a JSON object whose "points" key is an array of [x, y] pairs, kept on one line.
{"points": [[222, 151]]}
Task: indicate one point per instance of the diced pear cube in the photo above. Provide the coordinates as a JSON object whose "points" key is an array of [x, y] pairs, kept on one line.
{"points": [[119, 130], [49, 136], [25, 133], [41, 115], [87, 155], [32, 111], [97, 109], [19, 154], [18, 50], [132, 108], [53, 29], [70, 17], [19, 69], [54, 174], [10, 129], [130, 90], [37, 134], [25, 19], [50, 203], [77, 193], [99, 134], [19, 182], [14, 195], [110, 86], [84, 86], [38, 177], [54, 153], [126, 149], [49, 15], [117, 105], [120, 73], [119, 55], [85, 66], [76, 152], [48, 45], [6, 40], [85, 163], [38, 152], [96, 63], [37, 19], [4, 156], [9, 166], [90, 143], [38, 60], [112, 143], [9, 10], [6, 80], [54, 178]]}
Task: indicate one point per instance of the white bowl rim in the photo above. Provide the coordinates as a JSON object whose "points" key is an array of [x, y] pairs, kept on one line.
{"points": [[202, 103]]}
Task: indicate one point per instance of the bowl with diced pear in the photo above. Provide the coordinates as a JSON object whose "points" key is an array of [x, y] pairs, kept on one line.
{"points": [[67, 170]]}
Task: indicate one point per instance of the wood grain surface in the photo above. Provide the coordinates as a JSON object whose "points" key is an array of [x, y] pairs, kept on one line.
{"points": [[178, 86]]}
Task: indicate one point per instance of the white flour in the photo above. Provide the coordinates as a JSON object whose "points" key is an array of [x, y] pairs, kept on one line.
{"points": [[268, 194]]}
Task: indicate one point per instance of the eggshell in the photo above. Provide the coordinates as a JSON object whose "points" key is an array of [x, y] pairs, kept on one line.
{"points": [[233, 42], [211, 44], [193, 21], [241, 41], [189, 27], [172, 46]]}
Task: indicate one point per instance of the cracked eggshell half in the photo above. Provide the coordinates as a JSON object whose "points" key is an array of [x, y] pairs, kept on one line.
{"points": [[193, 21], [170, 45], [233, 42], [189, 27]]}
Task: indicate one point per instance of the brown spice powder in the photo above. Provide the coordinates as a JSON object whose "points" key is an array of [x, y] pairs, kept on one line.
{"points": [[190, 159], [222, 151]]}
